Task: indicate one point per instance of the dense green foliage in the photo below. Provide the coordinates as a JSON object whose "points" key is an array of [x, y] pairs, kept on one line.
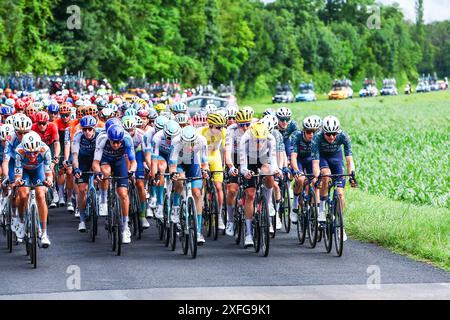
{"points": [[253, 44]]}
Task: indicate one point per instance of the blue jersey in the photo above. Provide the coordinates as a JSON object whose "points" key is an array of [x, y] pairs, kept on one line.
{"points": [[104, 149], [321, 148], [44, 159], [84, 147], [300, 146], [10, 148], [291, 128]]}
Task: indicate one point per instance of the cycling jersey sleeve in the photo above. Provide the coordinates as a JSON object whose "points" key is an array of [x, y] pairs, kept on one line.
{"points": [[99, 146], [203, 151], [347, 144], [47, 160], [67, 136], [129, 148], [76, 142], [18, 170], [229, 145], [175, 149], [272, 152], [294, 142], [243, 153], [315, 146], [155, 143], [54, 135]]}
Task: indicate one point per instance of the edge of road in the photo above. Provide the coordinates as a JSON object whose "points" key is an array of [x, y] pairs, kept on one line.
{"points": [[411, 291]]}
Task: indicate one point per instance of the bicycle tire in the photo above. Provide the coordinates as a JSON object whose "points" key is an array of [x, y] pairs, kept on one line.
{"points": [[119, 228], [206, 214], [173, 236], [237, 218], [274, 218], [133, 218], [312, 219], [264, 223], [34, 235], [9, 232], [338, 227], [301, 222], [256, 235], [224, 207], [192, 228], [166, 226], [286, 207], [327, 231], [184, 236], [215, 214], [91, 213]]}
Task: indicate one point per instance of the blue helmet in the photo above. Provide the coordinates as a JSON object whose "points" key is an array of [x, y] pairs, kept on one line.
{"points": [[7, 110], [111, 122], [69, 99], [130, 112], [53, 108], [116, 133], [88, 122]]}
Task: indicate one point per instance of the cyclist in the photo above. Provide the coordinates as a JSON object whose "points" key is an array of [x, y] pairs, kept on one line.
{"points": [[188, 158], [215, 135], [183, 120], [161, 147], [232, 146], [326, 150], [210, 108], [257, 151], [130, 124], [109, 159], [32, 167], [301, 159], [6, 111], [53, 111], [286, 126], [199, 120], [83, 148], [231, 116], [6, 135]]}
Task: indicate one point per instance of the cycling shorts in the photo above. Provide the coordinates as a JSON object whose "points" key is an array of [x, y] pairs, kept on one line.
{"points": [[33, 177], [192, 171], [85, 166], [336, 166], [119, 168], [215, 164], [140, 172]]}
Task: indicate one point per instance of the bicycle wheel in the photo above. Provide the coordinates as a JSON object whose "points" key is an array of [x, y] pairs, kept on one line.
{"points": [[119, 226], [91, 214], [256, 235], [33, 236], [192, 214], [9, 232], [286, 207], [312, 218], [132, 211], [274, 218], [224, 206], [238, 214], [302, 221], [173, 236], [327, 231], [206, 214], [338, 226], [184, 234], [166, 219], [214, 214], [264, 223]]}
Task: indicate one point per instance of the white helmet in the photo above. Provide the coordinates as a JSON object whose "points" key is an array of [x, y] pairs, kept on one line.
{"points": [[31, 142], [331, 124], [182, 118], [270, 121], [210, 108], [189, 134], [6, 131], [312, 123], [22, 123], [10, 119], [222, 112], [249, 109], [284, 112], [231, 112], [107, 112]]}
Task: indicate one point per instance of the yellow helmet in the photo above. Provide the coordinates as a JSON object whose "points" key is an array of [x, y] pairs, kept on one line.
{"points": [[259, 130], [216, 119], [243, 116], [160, 107]]}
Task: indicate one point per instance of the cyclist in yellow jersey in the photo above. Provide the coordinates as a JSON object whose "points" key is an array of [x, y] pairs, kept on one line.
{"points": [[215, 135]]}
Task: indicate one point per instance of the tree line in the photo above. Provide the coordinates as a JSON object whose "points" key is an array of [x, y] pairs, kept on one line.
{"points": [[253, 44]]}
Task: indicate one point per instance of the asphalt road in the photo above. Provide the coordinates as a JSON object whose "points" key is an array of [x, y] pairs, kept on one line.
{"points": [[147, 269]]}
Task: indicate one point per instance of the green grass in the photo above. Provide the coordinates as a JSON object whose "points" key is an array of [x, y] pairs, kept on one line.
{"points": [[401, 147], [421, 232]]}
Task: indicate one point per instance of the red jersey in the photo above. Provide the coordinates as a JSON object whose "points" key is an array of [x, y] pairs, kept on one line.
{"points": [[50, 135]]}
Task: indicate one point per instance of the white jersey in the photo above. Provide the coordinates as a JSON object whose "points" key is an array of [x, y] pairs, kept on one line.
{"points": [[184, 153], [232, 143], [138, 139], [148, 138], [249, 154]]}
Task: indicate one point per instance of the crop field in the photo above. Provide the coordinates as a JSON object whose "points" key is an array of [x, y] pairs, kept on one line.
{"points": [[401, 147]]}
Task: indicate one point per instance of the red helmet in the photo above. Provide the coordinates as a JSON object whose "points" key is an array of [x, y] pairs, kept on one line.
{"points": [[143, 113], [30, 111], [41, 116], [20, 105]]}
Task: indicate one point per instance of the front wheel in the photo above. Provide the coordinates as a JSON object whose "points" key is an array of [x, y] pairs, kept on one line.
{"points": [[327, 231], [338, 227], [192, 214], [286, 207], [33, 234], [312, 219], [264, 227], [184, 233]]}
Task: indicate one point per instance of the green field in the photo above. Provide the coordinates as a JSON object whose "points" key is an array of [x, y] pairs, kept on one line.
{"points": [[401, 148]]}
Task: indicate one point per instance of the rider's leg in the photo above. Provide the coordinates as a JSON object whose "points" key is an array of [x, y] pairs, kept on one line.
{"points": [[82, 193], [232, 189], [42, 207]]}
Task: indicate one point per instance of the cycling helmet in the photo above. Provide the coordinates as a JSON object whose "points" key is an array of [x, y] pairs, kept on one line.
{"points": [[111, 122], [64, 109], [7, 110], [88, 122], [270, 121], [152, 114], [269, 111], [199, 119], [189, 134], [91, 110], [81, 112], [284, 112], [19, 105], [10, 119], [182, 118], [231, 113], [53, 108], [10, 102], [30, 111], [210, 108], [259, 130], [160, 107], [331, 124], [138, 121], [31, 142], [179, 107], [129, 122], [6, 131], [38, 106], [312, 123], [145, 97], [131, 112], [171, 128], [216, 119], [143, 113], [243, 116], [41, 116], [107, 113], [116, 133], [249, 109], [160, 122]]}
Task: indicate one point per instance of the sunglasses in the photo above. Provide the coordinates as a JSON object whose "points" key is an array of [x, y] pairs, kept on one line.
{"points": [[168, 138], [115, 142], [309, 131], [87, 129], [212, 127], [258, 141], [53, 113], [65, 115], [329, 134], [231, 118], [42, 123], [32, 153], [284, 119], [243, 125], [21, 133]]}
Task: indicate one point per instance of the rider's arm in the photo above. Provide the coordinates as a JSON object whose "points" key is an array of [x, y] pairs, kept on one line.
{"points": [[348, 152], [56, 144], [228, 148], [174, 154], [99, 145], [243, 153], [76, 149], [272, 152], [66, 144], [315, 153], [48, 164], [18, 169]]}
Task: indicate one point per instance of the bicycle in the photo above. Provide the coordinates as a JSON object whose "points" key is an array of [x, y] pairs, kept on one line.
{"points": [[334, 224], [114, 219], [307, 215], [211, 207], [285, 205], [238, 214], [188, 218], [134, 207], [6, 220], [92, 207]]}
